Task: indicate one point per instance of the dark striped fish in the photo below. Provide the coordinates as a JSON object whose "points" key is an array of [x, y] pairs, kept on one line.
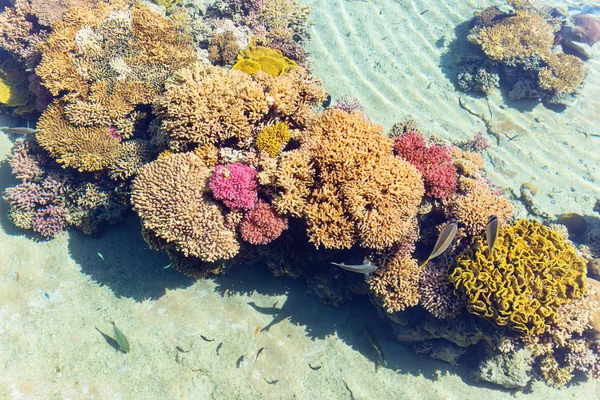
{"points": [[444, 241], [491, 232]]}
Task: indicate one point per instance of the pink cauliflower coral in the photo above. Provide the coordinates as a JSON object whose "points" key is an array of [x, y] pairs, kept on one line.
{"points": [[235, 185], [262, 224], [434, 162]]}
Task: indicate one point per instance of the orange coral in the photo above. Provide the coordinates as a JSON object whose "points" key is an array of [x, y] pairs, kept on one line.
{"points": [[363, 193], [172, 198]]}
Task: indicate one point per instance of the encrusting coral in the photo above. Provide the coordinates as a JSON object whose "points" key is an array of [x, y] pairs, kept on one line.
{"points": [[260, 58], [172, 197], [532, 272]]}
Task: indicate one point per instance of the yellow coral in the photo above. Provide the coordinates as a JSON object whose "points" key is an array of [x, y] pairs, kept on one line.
{"points": [[273, 138], [523, 35], [563, 73], [259, 58], [14, 91], [532, 272]]}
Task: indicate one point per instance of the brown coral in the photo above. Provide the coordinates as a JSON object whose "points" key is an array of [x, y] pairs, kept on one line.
{"points": [[563, 73], [223, 48], [396, 284], [172, 198]]}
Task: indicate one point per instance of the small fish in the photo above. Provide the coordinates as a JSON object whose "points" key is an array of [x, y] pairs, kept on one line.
{"points": [[168, 266], [361, 269], [181, 350], [423, 12], [444, 241], [491, 232], [206, 339], [272, 382], [101, 256], [239, 361], [375, 343], [318, 367], [121, 339], [19, 130], [219, 347], [258, 353], [256, 330]]}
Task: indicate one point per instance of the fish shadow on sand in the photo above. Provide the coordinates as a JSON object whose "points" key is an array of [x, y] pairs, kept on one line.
{"points": [[111, 341], [122, 260]]}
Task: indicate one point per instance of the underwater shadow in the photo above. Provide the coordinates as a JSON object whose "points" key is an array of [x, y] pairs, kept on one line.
{"points": [[122, 260], [320, 321]]}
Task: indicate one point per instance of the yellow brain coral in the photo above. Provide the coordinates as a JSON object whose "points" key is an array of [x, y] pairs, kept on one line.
{"points": [[172, 198], [532, 272], [259, 58], [273, 138]]}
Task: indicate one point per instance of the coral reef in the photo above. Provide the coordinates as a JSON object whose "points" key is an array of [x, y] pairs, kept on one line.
{"points": [[531, 274], [523, 45]]}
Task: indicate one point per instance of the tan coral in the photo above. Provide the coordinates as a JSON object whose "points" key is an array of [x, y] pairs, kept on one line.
{"points": [[172, 198], [524, 35], [563, 73], [83, 148], [132, 156], [293, 177], [396, 284], [473, 209], [206, 105]]}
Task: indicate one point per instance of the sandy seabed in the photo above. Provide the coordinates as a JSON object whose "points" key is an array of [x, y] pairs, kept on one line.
{"points": [[58, 298]]}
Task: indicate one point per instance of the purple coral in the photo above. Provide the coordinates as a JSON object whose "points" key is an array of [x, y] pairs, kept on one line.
{"points": [[348, 104], [437, 293], [27, 195], [477, 144], [49, 221], [235, 185], [26, 162]]}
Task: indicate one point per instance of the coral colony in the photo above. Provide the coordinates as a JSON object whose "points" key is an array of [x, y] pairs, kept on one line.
{"points": [[208, 125]]}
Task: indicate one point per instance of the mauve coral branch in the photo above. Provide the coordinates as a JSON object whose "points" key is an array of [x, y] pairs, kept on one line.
{"points": [[49, 221], [262, 224], [235, 185], [25, 163], [434, 162]]}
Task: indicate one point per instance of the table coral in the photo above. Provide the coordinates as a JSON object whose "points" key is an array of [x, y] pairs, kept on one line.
{"points": [[171, 196], [434, 162], [522, 35], [531, 274]]}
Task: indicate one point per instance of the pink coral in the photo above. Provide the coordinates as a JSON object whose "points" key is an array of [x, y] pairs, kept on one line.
{"points": [[49, 221], [235, 185], [348, 104], [434, 162], [437, 293], [26, 161], [262, 224]]}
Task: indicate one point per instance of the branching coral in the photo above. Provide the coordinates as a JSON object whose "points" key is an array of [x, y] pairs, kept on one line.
{"points": [[532, 272], [563, 73], [364, 192], [235, 185], [473, 209], [396, 284], [223, 48], [171, 196], [434, 162], [262, 225]]}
